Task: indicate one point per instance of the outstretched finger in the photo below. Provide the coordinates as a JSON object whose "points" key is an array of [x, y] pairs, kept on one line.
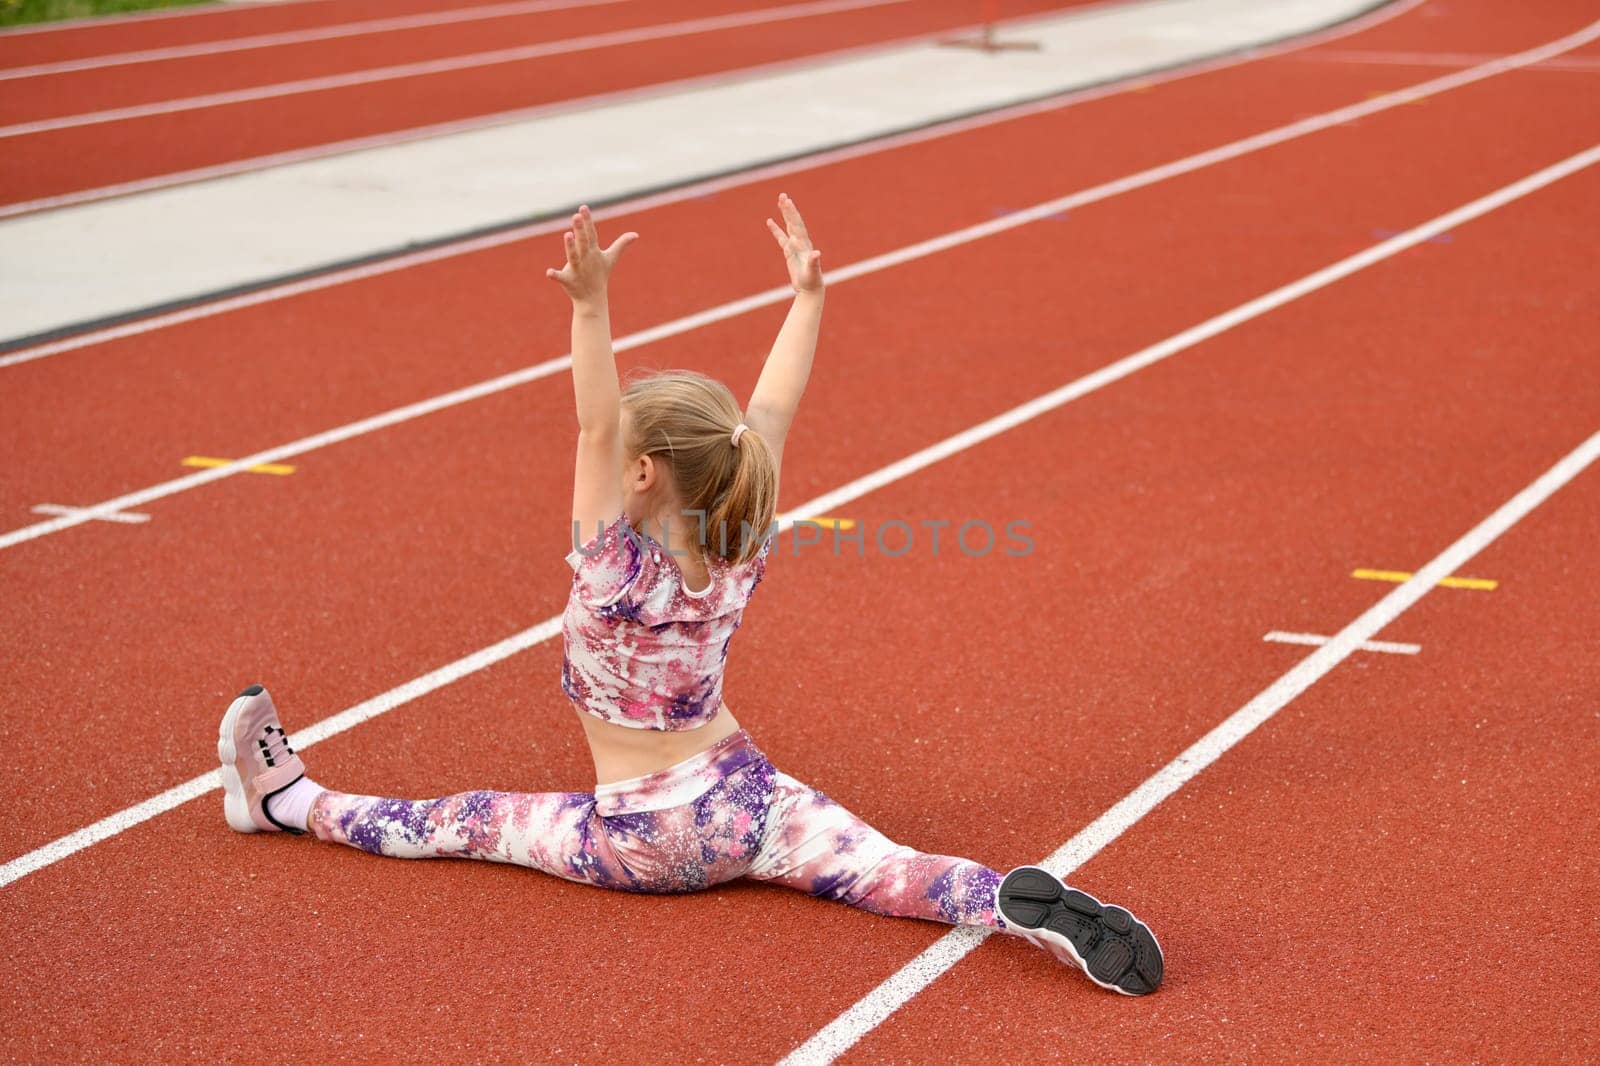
{"points": [[620, 245], [791, 215], [778, 235], [570, 242], [590, 233], [580, 233]]}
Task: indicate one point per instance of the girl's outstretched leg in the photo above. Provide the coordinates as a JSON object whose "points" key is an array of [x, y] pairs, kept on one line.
{"points": [[264, 781], [813, 844], [555, 832]]}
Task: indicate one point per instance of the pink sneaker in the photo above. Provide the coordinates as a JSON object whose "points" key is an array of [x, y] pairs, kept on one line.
{"points": [[257, 763]]}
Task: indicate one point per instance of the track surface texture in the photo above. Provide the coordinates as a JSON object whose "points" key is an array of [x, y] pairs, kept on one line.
{"points": [[1400, 864]]}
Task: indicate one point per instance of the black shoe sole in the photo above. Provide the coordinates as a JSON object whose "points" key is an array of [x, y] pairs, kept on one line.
{"points": [[1114, 948]]}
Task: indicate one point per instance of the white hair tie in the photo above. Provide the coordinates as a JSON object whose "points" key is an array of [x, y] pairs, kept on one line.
{"points": [[738, 431]]}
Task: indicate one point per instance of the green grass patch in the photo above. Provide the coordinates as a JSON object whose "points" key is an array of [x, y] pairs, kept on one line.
{"points": [[16, 12]]}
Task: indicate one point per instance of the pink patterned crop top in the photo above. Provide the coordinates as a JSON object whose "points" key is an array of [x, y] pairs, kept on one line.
{"points": [[642, 650]]}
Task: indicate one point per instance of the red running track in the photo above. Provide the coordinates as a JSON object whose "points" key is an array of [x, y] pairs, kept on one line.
{"points": [[53, 162], [78, 443], [1122, 575], [1180, 515]]}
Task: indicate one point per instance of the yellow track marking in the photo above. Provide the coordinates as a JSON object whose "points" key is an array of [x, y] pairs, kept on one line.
{"points": [[1470, 583], [280, 469], [1397, 576], [832, 523]]}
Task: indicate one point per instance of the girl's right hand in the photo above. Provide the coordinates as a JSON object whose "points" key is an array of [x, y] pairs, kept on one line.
{"points": [[588, 267], [805, 262]]}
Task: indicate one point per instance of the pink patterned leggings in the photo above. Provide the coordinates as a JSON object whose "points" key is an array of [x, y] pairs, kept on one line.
{"points": [[723, 814]]}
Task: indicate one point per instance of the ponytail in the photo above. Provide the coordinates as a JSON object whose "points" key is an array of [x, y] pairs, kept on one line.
{"points": [[738, 520]]}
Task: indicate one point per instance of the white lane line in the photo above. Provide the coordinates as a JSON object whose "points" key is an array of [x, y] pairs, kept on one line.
{"points": [[1313, 640], [877, 144], [318, 33], [837, 276], [1580, 64], [829, 502], [499, 56], [110, 516], [872, 1009]]}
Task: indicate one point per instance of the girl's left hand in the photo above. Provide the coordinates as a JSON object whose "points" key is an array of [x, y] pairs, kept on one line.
{"points": [[805, 262], [588, 267]]}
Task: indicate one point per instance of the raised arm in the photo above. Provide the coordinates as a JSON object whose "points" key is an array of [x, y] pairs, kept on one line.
{"points": [[597, 479], [776, 398]]}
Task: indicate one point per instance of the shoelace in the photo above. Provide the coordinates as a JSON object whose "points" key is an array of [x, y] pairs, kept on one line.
{"points": [[274, 744]]}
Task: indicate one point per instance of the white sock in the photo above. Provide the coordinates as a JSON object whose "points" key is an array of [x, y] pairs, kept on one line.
{"points": [[292, 806]]}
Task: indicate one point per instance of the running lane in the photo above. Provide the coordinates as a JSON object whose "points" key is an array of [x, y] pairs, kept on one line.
{"points": [[96, 423], [1178, 516], [443, 502], [1414, 832], [55, 161]]}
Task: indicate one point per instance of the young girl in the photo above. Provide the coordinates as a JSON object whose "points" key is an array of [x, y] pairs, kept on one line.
{"points": [[674, 495]]}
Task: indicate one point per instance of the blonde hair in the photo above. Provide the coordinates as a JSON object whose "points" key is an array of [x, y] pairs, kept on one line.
{"points": [[687, 420]]}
